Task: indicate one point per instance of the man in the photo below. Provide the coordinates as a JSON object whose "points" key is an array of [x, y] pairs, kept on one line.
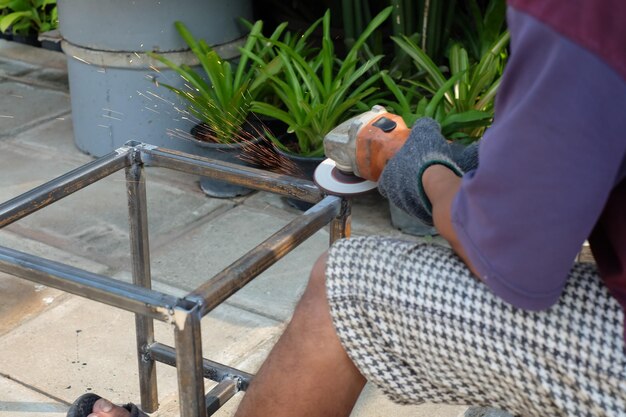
{"points": [[506, 318]]}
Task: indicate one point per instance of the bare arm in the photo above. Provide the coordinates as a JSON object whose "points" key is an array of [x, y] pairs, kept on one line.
{"points": [[441, 185]]}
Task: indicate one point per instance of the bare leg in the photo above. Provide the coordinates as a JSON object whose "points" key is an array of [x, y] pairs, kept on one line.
{"points": [[308, 373]]}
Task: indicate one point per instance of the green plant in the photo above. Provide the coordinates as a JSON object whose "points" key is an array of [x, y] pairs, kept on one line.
{"points": [[224, 102], [318, 91], [480, 30], [27, 16], [461, 102]]}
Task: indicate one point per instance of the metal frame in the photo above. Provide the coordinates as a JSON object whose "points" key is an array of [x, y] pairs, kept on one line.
{"points": [[183, 313]]}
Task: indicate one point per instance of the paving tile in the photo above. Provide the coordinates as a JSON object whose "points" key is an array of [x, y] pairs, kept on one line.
{"points": [[16, 400], [54, 138], [22, 300], [14, 68], [49, 77], [18, 52], [81, 346], [94, 221], [195, 257], [373, 403], [29, 106]]}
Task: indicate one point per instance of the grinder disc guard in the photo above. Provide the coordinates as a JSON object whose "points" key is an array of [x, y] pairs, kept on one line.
{"points": [[334, 182]]}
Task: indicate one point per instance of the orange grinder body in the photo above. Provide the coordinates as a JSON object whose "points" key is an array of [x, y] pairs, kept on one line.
{"points": [[363, 144], [377, 142]]}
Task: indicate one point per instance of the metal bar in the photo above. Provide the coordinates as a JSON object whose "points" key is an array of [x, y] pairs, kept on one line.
{"points": [[219, 394], [237, 174], [189, 364], [242, 271], [340, 225], [212, 370], [140, 256], [87, 284], [62, 186]]}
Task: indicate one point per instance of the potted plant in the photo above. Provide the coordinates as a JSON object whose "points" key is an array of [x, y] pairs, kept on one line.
{"points": [[462, 102], [317, 91], [219, 101], [27, 18]]}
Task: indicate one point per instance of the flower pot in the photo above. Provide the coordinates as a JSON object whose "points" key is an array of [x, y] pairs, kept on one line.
{"points": [[231, 152], [306, 167], [28, 39], [51, 40], [409, 224], [222, 152], [112, 80]]}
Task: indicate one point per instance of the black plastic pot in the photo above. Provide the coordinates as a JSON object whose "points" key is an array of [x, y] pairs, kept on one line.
{"points": [[306, 167], [231, 152], [29, 39]]}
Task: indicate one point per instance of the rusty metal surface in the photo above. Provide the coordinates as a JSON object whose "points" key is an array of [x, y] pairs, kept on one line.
{"points": [[250, 265], [233, 173], [62, 186], [214, 371], [140, 260], [189, 369], [87, 284], [184, 313], [340, 225]]}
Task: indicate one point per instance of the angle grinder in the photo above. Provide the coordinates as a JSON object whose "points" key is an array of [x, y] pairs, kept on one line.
{"points": [[358, 150]]}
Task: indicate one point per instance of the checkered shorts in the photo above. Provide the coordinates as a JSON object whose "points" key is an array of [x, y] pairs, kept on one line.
{"points": [[419, 326]]}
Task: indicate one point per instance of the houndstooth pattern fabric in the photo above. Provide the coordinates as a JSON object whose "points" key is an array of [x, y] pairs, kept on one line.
{"points": [[421, 328]]}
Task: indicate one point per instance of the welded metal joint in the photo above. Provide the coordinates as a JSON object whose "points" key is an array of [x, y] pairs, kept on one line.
{"points": [[240, 384]]}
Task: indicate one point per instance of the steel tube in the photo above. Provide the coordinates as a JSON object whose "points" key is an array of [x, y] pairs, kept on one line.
{"points": [[219, 394], [242, 271], [189, 364], [140, 258], [212, 370], [87, 284], [237, 174], [340, 225], [62, 186]]}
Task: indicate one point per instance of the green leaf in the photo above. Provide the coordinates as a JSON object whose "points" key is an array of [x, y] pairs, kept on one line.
{"points": [[434, 102], [14, 18], [422, 60]]}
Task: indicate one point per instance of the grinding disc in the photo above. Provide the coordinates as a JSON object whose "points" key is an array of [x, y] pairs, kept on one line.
{"points": [[334, 182]]}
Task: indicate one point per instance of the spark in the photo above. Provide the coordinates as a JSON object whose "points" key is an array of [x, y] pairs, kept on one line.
{"points": [[80, 59], [159, 97], [102, 70], [137, 55], [143, 95], [113, 111], [148, 108], [7, 117], [111, 117], [155, 69], [60, 118], [17, 95], [105, 126]]}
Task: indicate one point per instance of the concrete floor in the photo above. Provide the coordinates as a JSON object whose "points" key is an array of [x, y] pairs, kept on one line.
{"points": [[56, 346]]}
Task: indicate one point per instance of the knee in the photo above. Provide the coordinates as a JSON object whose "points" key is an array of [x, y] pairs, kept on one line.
{"points": [[313, 305]]}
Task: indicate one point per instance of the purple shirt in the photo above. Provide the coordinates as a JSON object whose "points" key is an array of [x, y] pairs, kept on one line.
{"points": [[553, 158]]}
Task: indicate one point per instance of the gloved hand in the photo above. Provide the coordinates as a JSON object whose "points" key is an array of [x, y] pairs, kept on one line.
{"points": [[401, 180], [465, 156]]}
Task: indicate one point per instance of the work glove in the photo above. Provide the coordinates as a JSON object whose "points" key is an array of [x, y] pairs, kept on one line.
{"points": [[401, 180]]}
